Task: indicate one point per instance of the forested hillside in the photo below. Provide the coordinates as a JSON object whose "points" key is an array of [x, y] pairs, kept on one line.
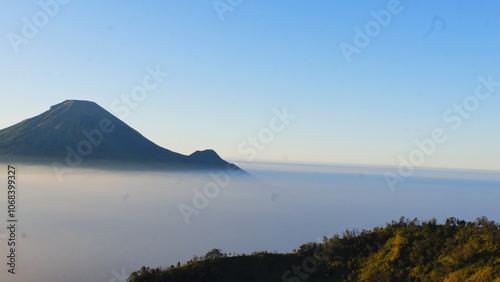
{"points": [[403, 250]]}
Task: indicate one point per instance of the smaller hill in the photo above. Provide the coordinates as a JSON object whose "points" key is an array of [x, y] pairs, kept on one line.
{"points": [[403, 250]]}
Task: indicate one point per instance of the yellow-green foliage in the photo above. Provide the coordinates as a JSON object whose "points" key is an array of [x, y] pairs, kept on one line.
{"points": [[430, 252], [402, 251]]}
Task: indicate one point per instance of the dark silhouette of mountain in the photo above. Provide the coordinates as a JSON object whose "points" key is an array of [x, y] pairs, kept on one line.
{"points": [[81, 133]]}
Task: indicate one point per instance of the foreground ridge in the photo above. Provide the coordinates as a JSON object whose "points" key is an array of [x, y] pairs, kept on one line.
{"points": [[403, 250]]}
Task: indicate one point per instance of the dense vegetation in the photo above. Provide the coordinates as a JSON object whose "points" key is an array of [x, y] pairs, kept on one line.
{"points": [[403, 250]]}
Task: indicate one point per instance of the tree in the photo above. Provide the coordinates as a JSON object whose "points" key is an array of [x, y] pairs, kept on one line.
{"points": [[214, 254]]}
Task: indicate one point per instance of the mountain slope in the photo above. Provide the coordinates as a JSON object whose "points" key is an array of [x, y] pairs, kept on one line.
{"points": [[75, 132], [401, 251]]}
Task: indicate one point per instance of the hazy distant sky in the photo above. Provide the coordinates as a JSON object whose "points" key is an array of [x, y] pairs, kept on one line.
{"points": [[227, 75]]}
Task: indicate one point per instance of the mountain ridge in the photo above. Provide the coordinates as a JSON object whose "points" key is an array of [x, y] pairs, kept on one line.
{"points": [[404, 250], [76, 132]]}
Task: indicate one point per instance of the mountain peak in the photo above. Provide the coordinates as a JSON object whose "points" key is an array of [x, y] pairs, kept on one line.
{"points": [[207, 156], [72, 103], [207, 152], [79, 106]]}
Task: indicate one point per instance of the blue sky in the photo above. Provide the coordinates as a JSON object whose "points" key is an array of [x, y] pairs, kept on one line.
{"points": [[227, 76]]}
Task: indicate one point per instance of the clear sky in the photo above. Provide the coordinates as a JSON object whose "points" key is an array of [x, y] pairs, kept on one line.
{"points": [[229, 69]]}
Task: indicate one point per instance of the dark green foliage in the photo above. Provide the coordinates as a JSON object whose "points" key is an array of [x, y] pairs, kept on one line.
{"points": [[402, 251], [224, 268]]}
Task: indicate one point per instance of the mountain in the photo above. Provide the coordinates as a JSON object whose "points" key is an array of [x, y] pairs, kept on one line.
{"points": [[82, 133]]}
